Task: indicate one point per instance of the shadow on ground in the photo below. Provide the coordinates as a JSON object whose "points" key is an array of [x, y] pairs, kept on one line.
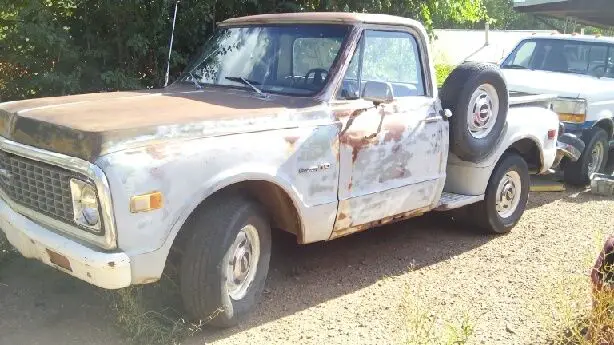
{"points": [[42, 306]]}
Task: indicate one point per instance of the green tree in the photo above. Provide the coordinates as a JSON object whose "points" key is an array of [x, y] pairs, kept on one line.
{"points": [[59, 47]]}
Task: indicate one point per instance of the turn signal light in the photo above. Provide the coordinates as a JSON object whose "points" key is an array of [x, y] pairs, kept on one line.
{"points": [[146, 202], [577, 118]]}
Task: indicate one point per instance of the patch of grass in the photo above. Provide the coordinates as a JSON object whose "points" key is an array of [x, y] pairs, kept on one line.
{"points": [[426, 328], [442, 71], [147, 314], [572, 311]]}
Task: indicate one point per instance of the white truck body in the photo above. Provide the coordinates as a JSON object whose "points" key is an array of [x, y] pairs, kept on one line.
{"points": [[317, 176]]}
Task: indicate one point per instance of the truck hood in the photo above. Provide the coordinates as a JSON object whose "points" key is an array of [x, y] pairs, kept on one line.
{"points": [[561, 84], [90, 125]]}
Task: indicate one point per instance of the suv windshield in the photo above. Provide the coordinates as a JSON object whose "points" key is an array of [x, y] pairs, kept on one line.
{"points": [[286, 59], [565, 56]]}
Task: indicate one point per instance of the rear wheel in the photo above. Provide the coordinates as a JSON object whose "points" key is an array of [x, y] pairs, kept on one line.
{"points": [[506, 196], [593, 159], [226, 261]]}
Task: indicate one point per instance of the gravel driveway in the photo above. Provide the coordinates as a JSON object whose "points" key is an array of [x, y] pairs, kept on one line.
{"points": [[358, 290]]}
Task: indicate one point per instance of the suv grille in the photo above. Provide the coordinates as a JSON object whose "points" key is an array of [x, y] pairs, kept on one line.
{"points": [[41, 187]]}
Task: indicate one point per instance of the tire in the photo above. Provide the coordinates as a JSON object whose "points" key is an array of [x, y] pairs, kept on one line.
{"points": [[215, 231], [609, 167], [572, 140], [466, 82], [578, 173], [485, 214]]}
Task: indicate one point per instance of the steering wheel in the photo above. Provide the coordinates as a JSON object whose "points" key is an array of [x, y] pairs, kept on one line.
{"points": [[319, 75]]}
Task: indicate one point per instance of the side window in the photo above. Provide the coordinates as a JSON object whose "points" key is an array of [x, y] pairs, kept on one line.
{"points": [[388, 56], [313, 52], [610, 69], [392, 56], [523, 54], [597, 60]]}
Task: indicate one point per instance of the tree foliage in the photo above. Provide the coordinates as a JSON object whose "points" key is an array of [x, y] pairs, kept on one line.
{"points": [[59, 47]]}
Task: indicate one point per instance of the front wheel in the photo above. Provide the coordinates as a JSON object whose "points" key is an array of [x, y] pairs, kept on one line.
{"points": [[506, 196], [593, 160], [226, 261]]}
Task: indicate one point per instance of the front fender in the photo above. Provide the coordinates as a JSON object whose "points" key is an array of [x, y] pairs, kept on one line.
{"points": [[186, 172]]}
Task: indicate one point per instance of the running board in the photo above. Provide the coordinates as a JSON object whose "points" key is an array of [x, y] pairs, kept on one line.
{"points": [[450, 201]]}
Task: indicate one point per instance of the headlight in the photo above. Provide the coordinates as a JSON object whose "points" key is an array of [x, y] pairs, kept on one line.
{"points": [[85, 204], [570, 109]]}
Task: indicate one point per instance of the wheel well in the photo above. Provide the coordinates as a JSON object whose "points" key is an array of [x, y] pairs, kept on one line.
{"points": [[607, 125], [277, 203], [530, 152]]}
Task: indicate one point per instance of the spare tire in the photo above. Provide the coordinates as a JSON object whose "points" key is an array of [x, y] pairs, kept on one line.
{"points": [[477, 95]]}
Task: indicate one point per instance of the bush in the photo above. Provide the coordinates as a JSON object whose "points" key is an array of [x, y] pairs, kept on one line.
{"points": [[442, 72], [52, 48]]}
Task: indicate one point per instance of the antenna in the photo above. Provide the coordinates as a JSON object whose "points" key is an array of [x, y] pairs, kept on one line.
{"points": [[170, 47]]}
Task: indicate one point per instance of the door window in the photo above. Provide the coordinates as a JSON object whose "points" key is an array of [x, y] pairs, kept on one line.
{"points": [[387, 56]]}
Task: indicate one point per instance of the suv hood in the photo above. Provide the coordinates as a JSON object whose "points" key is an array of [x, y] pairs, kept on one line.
{"points": [[561, 84], [90, 125]]}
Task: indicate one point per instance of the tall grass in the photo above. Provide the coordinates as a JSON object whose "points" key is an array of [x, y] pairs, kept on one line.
{"points": [[424, 327], [573, 311], [149, 314]]}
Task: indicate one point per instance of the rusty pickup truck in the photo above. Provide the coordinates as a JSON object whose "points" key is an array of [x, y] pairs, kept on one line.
{"points": [[317, 124]]}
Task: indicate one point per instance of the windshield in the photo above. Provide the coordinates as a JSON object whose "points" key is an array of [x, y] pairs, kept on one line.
{"points": [[286, 59], [564, 56]]}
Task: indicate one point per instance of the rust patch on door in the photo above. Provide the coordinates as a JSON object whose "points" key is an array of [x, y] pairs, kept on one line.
{"points": [[394, 131], [357, 141], [388, 220]]}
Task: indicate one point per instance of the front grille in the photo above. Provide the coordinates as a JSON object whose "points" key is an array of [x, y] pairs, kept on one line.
{"points": [[41, 187]]}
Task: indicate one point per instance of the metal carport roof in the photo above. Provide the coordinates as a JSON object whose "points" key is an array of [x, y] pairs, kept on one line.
{"points": [[590, 12]]}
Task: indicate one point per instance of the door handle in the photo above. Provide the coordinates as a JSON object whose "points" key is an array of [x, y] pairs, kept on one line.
{"points": [[432, 119]]}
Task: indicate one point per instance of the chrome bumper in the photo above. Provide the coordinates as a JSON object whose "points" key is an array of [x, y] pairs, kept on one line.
{"points": [[32, 240]]}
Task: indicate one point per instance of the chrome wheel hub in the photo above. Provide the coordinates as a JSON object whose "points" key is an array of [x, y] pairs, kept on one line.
{"points": [[596, 158], [243, 262], [483, 110], [508, 194]]}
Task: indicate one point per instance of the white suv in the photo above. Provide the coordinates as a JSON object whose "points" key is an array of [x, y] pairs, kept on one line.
{"points": [[580, 70]]}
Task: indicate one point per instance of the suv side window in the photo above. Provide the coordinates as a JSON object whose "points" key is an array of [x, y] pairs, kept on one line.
{"points": [[388, 56]]}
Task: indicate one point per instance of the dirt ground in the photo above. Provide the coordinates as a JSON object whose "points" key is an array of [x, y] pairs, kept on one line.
{"points": [[357, 290]]}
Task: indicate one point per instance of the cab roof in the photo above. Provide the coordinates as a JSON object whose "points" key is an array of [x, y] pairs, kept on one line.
{"points": [[324, 18], [573, 37]]}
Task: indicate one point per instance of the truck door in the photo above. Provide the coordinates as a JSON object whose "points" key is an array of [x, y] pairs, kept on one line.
{"points": [[392, 157]]}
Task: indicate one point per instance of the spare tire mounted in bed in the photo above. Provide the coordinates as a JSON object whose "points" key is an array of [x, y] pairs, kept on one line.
{"points": [[477, 95]]}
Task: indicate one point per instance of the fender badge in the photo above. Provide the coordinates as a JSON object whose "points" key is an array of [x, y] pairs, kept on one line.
{"points": [[315, 168]]}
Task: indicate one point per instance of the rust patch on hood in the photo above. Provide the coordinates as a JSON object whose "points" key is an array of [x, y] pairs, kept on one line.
{"points": [[291, 139], [87, 126]]}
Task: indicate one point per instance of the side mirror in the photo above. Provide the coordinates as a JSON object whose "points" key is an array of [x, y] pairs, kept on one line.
{"points": [[378, 92]]}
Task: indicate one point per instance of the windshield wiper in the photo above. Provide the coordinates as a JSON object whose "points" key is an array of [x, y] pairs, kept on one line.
{"points": [[514, 66], [249, 83]]}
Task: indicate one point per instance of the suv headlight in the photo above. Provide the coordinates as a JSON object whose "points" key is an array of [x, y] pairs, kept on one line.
{"points": [[570, 109], [85, 204]]}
